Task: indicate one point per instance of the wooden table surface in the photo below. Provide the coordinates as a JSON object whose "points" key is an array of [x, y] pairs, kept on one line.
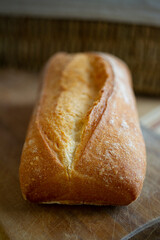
{"points": [[20, 219]]}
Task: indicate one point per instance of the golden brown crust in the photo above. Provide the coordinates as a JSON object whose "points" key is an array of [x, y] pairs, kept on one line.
{"points": [[84, 144]]}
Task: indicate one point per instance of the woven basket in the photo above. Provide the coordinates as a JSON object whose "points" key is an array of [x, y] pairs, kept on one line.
{"points": [[27, 43]]}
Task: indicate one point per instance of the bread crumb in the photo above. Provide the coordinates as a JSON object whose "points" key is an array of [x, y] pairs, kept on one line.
{"points": [[124, 124], [34, 150], [30, 142], [101, 171], [111, 121]]}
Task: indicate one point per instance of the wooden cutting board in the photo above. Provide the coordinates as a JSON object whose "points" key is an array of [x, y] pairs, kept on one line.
{"points": [[20, 219]]}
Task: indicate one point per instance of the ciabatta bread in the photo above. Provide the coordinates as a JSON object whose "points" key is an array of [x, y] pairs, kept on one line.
{"points": [[84, 143]]}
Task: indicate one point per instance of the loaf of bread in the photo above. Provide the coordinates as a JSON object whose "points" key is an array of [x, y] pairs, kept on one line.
{"points": [[84, 144]]}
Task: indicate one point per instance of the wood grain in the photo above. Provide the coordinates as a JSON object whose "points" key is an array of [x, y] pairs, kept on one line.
{"points": [[20, 219]]}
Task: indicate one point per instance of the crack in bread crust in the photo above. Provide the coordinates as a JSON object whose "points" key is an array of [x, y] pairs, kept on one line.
{"points": [[79, 85], [79, 91]]}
